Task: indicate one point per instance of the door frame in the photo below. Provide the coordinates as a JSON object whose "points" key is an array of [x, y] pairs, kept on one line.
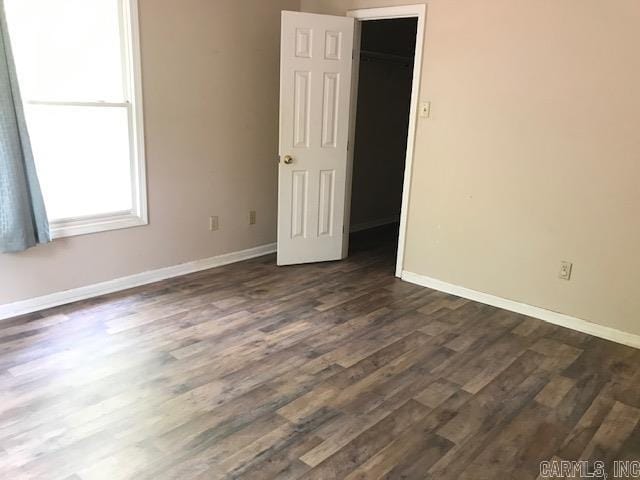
{"points": [[418, 11]]}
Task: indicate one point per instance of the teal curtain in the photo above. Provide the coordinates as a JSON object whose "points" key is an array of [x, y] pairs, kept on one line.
{"points": [[23, 219]]}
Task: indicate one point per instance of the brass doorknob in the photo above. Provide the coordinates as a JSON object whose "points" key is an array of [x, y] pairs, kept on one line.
{"points": [[288, 159]]}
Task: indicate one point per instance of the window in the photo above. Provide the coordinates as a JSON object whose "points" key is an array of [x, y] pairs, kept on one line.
{"points": [[79, 74]]}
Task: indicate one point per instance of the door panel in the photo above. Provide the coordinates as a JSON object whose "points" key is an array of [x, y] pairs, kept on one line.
{"points": [[315, 90]]}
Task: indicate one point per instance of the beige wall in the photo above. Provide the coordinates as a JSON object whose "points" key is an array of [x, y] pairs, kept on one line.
{"points": [[210, 82], [532, 154]]}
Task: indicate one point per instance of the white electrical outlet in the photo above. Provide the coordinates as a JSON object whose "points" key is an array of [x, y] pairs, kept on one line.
{"points": [[213, 223], [252, 217], [565, 270]]}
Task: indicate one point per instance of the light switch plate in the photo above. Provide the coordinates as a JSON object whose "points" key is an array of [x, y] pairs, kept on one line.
{"points": [[425, 109]]}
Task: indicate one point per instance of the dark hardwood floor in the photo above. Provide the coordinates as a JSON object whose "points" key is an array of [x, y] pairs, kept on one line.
{"points": [[325, 371]]}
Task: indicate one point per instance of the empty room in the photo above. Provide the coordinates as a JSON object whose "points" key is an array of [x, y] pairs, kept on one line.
{"points": [[319, 239]]}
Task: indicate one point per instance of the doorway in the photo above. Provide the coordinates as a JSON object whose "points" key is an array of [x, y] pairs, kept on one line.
{"points": [[385, 76], [319, 66], [386, 84]]}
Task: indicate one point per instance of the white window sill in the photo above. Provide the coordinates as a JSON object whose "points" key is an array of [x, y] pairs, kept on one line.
{"points": [[83, 226]]}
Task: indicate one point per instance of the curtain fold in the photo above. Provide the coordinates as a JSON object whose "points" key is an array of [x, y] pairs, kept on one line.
{"points": [[23, 218]]}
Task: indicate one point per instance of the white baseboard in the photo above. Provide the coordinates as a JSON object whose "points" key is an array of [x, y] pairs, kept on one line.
{"points": [[359, 227], [550, 316], [82, 293]]}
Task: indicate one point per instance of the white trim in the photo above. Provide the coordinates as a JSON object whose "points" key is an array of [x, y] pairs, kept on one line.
{"points": [[89, 291], [550, 316], [380, 222], [93, 224], [384, 13], [62, 103], [131, 41], [404, 11]]}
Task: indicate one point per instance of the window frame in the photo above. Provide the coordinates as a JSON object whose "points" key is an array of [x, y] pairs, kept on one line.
{"points": [[132, 76]]}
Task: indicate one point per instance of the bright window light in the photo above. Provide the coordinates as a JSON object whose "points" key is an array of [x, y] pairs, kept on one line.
{"points": [[78, 71]]}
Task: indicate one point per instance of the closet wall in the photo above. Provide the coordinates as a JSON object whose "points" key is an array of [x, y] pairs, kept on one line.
{"points": [[384, 93]]}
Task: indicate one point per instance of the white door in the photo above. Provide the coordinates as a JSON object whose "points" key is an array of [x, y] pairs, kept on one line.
{"points": [[315, 89]]}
